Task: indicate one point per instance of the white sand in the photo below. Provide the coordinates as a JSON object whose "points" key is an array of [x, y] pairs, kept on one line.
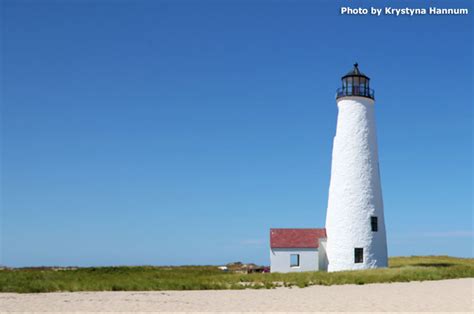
{"points": [[429, 296]]}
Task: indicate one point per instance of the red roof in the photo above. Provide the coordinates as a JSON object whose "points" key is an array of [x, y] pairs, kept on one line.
{"points": [[296, 238]]}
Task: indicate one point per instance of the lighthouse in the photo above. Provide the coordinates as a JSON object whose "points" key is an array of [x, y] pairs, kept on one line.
{"points": [[355, 226]]}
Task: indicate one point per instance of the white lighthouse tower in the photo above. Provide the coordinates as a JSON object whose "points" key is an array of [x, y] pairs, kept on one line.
{"points": [[355, 220]]}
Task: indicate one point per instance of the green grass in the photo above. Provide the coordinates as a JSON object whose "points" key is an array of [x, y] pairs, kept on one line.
{"points": [[147, 278]]}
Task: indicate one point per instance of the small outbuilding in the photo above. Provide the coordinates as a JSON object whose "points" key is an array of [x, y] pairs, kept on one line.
{"points": [[297, 250]]}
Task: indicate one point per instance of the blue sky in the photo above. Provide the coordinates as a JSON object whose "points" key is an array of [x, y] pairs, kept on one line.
{"points": [[179, 132]]}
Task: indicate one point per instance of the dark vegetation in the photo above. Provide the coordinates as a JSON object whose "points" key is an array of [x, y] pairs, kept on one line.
{"points": [[147, 278]]}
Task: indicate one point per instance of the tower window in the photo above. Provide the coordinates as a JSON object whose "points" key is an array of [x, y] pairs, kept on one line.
{"points": [[358, 255], [294, 260], [374, 223]]}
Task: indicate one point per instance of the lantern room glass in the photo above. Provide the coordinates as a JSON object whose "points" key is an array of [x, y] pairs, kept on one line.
{"points": [[355, 83]]}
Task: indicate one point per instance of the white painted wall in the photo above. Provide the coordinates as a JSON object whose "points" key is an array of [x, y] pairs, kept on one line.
{"points": [[355, 192], [280, 260], [322, 255]]}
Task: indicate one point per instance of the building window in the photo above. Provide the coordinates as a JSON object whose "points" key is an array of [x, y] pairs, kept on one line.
{"points": [[374, 223], [358, 255], [294, 260]]}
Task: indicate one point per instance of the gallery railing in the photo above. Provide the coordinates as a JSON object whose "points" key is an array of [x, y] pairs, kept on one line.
{"points": [[355, 91]]}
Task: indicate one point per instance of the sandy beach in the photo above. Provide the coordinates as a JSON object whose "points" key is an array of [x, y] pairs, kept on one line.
{"points": [[429, 296]]}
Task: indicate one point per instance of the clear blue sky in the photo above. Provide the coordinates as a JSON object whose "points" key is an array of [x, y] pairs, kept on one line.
{"points": [[179, 132]]}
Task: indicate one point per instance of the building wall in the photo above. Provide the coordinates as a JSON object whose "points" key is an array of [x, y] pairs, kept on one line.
{"points": [[355, 192], [322, 256], [280, 260]]}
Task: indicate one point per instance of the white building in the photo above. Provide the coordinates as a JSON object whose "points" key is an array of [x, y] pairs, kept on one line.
{"points": [[355, 226], [355, 219], [296, 250]]}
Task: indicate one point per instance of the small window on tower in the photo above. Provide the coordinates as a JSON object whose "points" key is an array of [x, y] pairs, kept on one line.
{"points": [[374, 223], [294, 260], [358, 255]]}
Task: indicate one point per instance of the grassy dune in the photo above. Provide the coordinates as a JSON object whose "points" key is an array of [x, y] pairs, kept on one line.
{"points": [[143, 278]]}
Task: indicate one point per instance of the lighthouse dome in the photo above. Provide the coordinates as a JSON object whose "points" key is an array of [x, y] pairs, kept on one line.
{"points": [[355, 72]]}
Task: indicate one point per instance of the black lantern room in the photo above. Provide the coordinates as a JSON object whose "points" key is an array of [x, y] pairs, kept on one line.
{"points": [[355, 83]]}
